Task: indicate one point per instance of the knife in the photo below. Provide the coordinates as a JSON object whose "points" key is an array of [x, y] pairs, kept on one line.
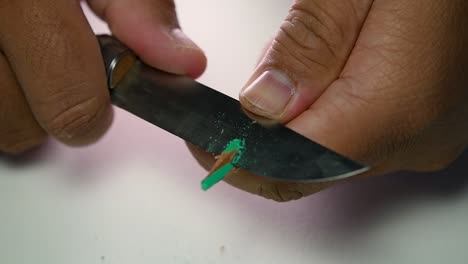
{"points": [[211, 120]]}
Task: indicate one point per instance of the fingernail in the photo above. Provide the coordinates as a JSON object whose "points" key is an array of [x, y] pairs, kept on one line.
{"points": [[183, 41], [269, 94]]}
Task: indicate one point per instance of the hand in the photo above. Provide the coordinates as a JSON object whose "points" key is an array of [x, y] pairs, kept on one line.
{"points": [[383, 82], [52, 78]]}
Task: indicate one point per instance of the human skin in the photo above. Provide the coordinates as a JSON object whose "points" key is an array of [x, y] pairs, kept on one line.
{"points": [[382, 82], [52, 78]]}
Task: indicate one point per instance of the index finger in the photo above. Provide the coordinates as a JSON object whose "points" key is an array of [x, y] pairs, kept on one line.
{"points": [[57, 61]]}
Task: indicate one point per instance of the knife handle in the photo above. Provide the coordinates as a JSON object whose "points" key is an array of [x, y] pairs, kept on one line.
{"points": [[118, 59]]}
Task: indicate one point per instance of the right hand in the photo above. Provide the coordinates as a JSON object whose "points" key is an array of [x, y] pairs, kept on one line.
{"points": [[52, 78], [383, 82]]}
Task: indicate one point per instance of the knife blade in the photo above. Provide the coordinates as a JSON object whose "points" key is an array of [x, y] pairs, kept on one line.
{"points": [[210, 120]]}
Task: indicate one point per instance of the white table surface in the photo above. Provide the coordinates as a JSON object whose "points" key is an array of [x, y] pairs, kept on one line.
{"points": [[135, 198]]}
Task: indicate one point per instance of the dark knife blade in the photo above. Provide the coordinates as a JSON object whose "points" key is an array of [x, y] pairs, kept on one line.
{"points": [[210, 120]]}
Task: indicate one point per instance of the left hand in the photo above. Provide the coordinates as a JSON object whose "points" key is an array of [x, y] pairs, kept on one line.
{"points": [[52, 77]]}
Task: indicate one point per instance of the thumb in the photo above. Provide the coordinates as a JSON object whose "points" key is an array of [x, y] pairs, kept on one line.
{"points": [[151, 29], [306, 55]]}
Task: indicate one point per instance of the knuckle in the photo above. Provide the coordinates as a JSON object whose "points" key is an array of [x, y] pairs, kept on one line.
{"points": [[278, 192], [442, 161], [433, 165], [386, 141], [311, 37], [204, 159], [165, 10], [394, 133], [77, 119], [168, 5], [398, 141], [438, 165]]}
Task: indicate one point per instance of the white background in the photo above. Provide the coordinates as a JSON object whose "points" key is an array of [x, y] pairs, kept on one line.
{"points": [[135, 198]]}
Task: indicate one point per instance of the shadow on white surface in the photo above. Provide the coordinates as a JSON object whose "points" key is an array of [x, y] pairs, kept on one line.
{"points": [[143, 178], [346, 212], [134, 197]]}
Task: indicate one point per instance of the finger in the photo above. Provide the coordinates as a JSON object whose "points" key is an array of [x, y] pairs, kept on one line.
{"points": [[384, 106], [306, 55], [57, 62], [279, 191], [275, 190], [204, 159], [151, 29], [264, 51], [19, 131]]}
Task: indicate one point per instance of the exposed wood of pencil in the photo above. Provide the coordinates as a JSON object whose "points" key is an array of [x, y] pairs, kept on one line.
{"points": [[222, 160]]}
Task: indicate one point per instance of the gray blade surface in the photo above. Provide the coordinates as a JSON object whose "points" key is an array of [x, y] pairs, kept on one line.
{"points": [[210, 120]]}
